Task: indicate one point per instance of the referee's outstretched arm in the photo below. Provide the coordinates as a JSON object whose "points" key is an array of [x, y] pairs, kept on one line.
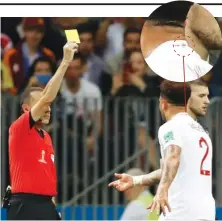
{"points": [[31, 153], [50, 92]]}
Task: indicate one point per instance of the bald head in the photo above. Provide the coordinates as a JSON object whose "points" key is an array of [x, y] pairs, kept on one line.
{"points": [[29, 93]]}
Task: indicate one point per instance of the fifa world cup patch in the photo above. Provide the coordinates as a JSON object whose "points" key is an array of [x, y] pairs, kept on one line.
{"points": [[168, 136]]}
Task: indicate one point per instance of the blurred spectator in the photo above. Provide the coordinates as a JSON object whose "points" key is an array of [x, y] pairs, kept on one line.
{"points": [[20, 58], [80, 106], [126, 108], [136, 79], [41, 72], [82, 97], [68, 22], [6, 44], [95, 65], [141, 76], [110, 34], [55, 37], [131, 42], [139, 199]]}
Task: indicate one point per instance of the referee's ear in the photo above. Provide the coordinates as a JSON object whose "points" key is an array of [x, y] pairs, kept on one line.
{"points": [[25, 108]]}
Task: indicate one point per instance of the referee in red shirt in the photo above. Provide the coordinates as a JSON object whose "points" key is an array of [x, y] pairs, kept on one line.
{"points": [[31, 153]]}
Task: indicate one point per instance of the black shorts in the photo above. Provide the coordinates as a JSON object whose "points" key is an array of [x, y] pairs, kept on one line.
{"points": [[31, 207]]}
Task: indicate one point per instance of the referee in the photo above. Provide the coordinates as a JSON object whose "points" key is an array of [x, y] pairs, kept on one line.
{"points": [[31, 153]]}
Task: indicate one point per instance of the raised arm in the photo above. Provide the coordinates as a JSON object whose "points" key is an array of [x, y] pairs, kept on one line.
{"points": [[169, 171], [51, 90]]}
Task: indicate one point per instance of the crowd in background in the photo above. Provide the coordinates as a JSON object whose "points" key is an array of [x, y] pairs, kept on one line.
{"points": [[109, 63]]}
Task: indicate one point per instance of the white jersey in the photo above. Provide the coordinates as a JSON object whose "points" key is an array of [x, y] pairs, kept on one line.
{"points": [[190, 194], [167, 62]]}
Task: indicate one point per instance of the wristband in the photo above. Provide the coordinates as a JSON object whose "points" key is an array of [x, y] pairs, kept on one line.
{"points": [[138, 180]]}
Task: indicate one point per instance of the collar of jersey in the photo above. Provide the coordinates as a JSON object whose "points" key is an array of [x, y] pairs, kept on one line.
{"points": [[180, 114], [166, 46]]}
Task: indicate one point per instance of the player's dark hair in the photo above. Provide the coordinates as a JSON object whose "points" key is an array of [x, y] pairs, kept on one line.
{"points": [[130, 31], [174, 92], [200, 82], [25, 96], [171, 14]]}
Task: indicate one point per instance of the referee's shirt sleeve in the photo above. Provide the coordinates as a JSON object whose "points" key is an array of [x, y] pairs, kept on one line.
{"points": [[24, 123]]}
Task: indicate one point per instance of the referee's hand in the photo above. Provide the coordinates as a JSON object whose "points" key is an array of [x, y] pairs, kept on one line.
{"points": [[69, 49]]}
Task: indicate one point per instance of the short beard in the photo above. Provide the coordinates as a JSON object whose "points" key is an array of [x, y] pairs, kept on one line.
{"points": [[196, 112]]}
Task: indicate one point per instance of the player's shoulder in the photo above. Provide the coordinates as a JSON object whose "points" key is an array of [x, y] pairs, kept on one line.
{"points": [[177, 123], [91, 88], [168, 125]]}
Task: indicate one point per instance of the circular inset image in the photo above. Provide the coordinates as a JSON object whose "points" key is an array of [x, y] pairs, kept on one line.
{"points": [[177, 40]]}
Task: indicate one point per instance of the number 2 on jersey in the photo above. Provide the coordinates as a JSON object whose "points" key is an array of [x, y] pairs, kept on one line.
{"points": [[202, 171]]}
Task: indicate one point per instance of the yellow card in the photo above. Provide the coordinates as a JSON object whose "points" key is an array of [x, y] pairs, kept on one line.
{"points": [[72, 35]]}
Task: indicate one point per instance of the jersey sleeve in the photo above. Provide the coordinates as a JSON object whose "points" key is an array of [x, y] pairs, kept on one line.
{"points": [[24, 123], [170, 134]]}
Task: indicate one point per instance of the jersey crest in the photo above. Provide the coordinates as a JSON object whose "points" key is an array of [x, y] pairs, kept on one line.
{"points": [[168, 136]]}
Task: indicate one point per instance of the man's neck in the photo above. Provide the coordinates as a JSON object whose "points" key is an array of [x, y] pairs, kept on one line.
{"points": [[32, 50], [174, 111], [74, 87], [156, 35], [38, 126], [191, 113]]}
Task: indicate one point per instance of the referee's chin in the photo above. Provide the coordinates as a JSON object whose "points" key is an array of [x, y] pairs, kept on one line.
{"points": [[45, 121]]}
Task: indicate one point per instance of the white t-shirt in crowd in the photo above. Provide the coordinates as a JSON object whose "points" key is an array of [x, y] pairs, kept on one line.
{"points": [[114, 35], [87, 99], [167, 61], [190, 194]]}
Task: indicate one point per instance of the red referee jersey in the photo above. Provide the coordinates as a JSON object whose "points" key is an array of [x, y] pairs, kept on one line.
{"points": [[31, 159]]}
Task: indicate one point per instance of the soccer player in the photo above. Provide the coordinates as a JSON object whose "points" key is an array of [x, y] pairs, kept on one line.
{"points": [[185, 186], [31, 153], [199, 101]]}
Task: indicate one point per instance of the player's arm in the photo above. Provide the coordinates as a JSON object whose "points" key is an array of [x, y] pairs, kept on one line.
{"points": [[148, 179], [170, 138], [151, 178], [126, 181], [169, 171], [51, 90], [171, 165]]}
